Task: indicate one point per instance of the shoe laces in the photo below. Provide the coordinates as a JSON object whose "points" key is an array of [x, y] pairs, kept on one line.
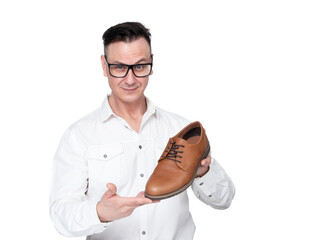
{"points": [[173, 151]]}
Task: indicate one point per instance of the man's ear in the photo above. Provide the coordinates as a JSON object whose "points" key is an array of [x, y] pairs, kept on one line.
{"points": [[104, 66], [152, 64]]}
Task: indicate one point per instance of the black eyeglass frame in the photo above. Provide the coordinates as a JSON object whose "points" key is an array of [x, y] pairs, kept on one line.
{"points": [[129, 67]]}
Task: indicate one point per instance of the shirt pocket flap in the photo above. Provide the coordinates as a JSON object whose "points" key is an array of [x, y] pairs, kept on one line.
{"points": [[104, 152]]}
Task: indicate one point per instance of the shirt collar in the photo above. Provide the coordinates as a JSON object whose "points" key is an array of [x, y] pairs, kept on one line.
{"points": [[151, 109], [106, 111]]}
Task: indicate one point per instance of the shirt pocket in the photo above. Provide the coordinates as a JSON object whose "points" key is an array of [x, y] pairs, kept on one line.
{"points": [[106, 165]]}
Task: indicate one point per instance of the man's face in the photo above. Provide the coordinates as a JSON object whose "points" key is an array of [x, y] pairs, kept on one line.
{"points": [[130, 88]]}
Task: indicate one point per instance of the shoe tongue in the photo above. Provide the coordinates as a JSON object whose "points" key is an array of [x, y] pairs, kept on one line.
{"points": [[180, 141]]}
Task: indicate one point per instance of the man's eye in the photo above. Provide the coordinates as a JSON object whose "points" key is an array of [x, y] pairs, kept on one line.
{"points": [[139, 67], [120, 67]]}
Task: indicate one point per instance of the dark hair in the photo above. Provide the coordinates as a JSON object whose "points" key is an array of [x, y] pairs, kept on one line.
{"points": [[126, 32]]}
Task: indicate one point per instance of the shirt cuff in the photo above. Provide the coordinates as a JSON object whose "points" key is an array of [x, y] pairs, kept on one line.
{"points": [[97, 225], [204, 184], [215, 188]]}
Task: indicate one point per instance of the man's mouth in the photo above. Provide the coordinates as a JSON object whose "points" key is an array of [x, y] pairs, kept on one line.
{"points": [[130, 89]]}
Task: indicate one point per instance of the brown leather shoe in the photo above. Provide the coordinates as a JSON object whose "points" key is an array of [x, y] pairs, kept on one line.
{"points": [[178, 165]]}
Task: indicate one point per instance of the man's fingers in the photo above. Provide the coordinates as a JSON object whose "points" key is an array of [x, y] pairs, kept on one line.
{"points": [[136, 201], [140, 194], [112, 190], [206, 162]]}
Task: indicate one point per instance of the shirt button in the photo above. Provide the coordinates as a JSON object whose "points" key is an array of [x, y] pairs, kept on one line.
{"points": [[140, 146], [143, 232], [105, 156], [201, 184], [141, 175]]}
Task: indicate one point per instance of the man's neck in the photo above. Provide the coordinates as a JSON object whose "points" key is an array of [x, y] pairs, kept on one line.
{"points": [[131, 112]]}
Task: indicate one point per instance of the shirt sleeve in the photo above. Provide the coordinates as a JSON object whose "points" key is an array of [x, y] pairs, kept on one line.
{"points": [[215, 188], [72, 211]]}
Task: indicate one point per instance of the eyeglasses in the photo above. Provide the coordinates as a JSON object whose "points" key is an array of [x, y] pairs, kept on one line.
{"points": [[121, 70]]}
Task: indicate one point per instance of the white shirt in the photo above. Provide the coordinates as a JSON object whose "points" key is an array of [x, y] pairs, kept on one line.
{"points": [[102, 148]]}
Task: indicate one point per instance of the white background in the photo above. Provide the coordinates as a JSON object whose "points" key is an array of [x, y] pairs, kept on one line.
{"points": [[248, 70]]}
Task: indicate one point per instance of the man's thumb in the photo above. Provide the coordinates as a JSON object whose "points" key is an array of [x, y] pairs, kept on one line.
{"points": [[112, 190]]}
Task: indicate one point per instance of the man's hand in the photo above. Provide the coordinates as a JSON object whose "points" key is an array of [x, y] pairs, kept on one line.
{"points": [[111, 206], [204, 166]]}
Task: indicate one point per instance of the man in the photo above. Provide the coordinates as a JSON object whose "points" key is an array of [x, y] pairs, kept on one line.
{"points": [[105, 159]]}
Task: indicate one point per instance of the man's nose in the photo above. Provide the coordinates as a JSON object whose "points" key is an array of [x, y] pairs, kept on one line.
{"points": [[130, 78]]}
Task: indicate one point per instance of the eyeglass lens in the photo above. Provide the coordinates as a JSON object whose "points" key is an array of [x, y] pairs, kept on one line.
{"points": [[120, 70]]}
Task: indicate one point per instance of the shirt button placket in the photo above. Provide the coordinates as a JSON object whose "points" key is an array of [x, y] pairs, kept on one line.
{"points": [[141, 174], [143, 226], [142, 182]]}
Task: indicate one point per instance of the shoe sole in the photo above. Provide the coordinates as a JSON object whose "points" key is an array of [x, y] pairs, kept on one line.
{"points": [[180, 190]]}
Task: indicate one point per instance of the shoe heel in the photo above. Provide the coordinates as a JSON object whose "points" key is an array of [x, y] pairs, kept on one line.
{"points": [[206, 153]]}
